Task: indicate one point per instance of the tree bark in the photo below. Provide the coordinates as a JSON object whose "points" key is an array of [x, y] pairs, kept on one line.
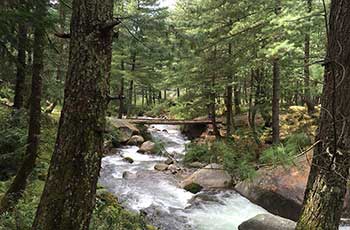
{"points": [[21, 63], [307, 94], [121, 93], [229, 92], [327, 182], [68, 198], [16, 189]]}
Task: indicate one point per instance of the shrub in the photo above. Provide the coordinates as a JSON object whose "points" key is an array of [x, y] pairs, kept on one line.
{"points": [[13, 134], [285, 153], [197, 152]]}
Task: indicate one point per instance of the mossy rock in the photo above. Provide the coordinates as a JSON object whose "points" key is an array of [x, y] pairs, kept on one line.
{"points": [[193, 188], [128, 159]]}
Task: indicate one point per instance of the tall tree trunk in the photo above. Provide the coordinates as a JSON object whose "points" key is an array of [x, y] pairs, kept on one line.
{"points": [[327, 182], [143, 97], [178, 92], [121, 93], [68, 198], [276, 91], [21, 63], [19, 183], [165, 94], [307, 94], [229, 91], [237, 99]]}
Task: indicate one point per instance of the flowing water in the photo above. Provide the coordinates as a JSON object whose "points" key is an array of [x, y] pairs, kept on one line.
{"points": [[157, 195]]}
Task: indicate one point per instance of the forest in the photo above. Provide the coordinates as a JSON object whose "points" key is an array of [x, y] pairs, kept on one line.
{"points": [[174, 115]]}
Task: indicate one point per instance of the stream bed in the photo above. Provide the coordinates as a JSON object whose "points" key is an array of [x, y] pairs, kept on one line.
{"points": [[158, 196], [157, 193]]}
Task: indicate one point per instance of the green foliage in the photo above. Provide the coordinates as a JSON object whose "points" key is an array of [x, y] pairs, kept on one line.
{"points": [[197, 153], [108, 214], [238, 164], [13, 134], [285, 153]]}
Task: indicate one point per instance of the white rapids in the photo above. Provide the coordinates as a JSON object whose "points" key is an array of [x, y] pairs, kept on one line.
{"points": [[172, 208]]}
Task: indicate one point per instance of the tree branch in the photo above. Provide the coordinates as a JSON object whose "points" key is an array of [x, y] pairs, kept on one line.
{"points": [[63, 35]]}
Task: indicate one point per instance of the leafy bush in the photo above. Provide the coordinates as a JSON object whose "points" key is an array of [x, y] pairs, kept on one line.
{"points": [[197, 153], [237, 163], [13, 134], [284, 153], [108, 214]]}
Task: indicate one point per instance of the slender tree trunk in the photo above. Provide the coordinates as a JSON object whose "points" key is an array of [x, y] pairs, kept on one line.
{"points": [[327, 182], [229, 112], [121, 93], [19, 183], [276, 91], [307, 94], [21, 63], [68, 198], [143, 97], [237, 99], [165, 94], [178, 92]]}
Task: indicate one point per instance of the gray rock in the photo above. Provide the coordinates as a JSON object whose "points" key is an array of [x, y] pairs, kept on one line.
{"points": [[128, 159], [147, 147], [161, 167], [135, 140], [129, 175], [211, 176], [267, 222]]}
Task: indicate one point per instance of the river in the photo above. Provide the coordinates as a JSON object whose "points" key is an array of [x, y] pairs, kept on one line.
{"points": [[158, 195]]}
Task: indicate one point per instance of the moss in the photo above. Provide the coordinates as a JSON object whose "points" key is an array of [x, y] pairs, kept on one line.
{"points": [[193, 188]]}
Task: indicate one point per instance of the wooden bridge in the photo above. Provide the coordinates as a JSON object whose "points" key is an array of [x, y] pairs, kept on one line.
{"points": [[168, 121]]}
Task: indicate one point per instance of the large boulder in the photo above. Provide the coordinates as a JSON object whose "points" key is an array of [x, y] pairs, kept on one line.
{"points": [[124, 129], [135, 140], [148, 147], [279, 190], [267, 222], [211, 176]]}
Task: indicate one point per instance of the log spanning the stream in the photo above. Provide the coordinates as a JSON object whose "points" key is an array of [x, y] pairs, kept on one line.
{"points": [[168, 121]]}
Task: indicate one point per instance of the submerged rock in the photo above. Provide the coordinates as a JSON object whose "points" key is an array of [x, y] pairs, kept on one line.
{"points": [[267, 222], [148, 147], [129, 175], [193, 188], [169, 161], [128, 159], [161, 167], [174, 169], [211, 176], [135, 140]]}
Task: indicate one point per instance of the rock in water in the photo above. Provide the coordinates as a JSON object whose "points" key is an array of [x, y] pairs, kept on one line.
{"points": [[124, 129], [267, 222], [128, 159], [211, 176], [135, 140], [169, 161], [193, 188], [129, 175], [161, 167], [147, 147]]}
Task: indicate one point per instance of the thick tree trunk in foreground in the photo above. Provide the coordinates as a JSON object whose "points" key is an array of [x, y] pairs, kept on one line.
{"points": [[69, 194], [307, 94], [331, 160], [21, 65], [19, 183]]}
